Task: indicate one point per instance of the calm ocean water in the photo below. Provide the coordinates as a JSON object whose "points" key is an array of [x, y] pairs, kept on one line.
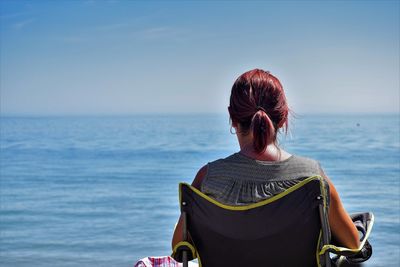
{"points": [[102, 191]]}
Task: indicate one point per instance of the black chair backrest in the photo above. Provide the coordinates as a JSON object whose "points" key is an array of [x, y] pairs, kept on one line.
{"points": [[282, 231]]}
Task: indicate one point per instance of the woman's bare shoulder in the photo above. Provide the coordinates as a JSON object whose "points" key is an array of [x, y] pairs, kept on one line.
{"points": [[199, 177]]}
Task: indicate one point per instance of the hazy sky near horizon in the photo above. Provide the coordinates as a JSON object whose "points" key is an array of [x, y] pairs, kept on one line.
{"points": [[126, 57]]}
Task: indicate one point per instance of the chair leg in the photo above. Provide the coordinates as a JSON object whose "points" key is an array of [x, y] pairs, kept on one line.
{"points": [[325, 233], [185, 237], [185, 259]]}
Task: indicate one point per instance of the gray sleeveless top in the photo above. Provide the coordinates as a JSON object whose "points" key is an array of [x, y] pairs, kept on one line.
{"points": [[239, 180]]}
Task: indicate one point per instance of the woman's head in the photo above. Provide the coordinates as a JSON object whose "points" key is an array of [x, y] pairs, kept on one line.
{"points": [[258, 106]]}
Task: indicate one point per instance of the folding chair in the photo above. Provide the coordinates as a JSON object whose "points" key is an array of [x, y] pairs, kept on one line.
{"points": [[288, 229]]}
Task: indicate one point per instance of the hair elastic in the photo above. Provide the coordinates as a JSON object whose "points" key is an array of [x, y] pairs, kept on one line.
{"points": [[261, 108]]}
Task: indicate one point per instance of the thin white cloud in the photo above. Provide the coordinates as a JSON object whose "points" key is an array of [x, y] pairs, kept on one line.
{"points": [[114, 26], [72, 39], [123, 30], [13, 15], [21, 24], [159, 32], [133, 22]]}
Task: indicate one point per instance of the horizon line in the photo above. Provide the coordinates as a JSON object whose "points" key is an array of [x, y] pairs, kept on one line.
{"points": [[135, 114]]}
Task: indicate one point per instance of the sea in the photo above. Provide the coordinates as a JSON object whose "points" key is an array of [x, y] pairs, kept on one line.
{"points": [[103, 190]]}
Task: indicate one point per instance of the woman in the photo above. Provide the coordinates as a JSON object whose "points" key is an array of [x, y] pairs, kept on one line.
{"points": [[258, 110]]}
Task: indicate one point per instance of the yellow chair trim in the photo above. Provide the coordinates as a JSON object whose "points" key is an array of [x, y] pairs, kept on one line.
{"points": [[316, 251], [190, 246], [258, 204], [355, 250], [253, 205]]}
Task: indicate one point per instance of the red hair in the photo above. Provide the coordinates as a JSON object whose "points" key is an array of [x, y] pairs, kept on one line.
{"points": [[258, 103]]}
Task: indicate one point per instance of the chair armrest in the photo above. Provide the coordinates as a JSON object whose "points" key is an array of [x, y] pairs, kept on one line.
{"points": [[182, 246], [363, 222]]}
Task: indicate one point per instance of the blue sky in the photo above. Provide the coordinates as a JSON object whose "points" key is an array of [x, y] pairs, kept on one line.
{"points": [[127, 57]]}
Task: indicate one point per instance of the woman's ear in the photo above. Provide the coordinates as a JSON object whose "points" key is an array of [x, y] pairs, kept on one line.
{"points": [[234, 124]]}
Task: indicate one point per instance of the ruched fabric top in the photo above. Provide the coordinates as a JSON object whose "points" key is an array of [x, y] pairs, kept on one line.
{"points": [[239, 180]]}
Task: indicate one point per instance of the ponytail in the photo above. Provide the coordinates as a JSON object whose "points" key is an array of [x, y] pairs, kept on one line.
{"points": [[258, 104], [263, 130]]}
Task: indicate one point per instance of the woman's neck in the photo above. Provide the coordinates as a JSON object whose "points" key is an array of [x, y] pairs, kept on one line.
{"points": [[271, 153]]}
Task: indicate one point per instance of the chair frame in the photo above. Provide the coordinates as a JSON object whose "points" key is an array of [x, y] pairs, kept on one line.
{"points": [[185, 251]]}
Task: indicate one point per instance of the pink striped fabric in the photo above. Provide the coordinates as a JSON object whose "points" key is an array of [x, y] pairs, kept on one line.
{"points": [[160, 262]]}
